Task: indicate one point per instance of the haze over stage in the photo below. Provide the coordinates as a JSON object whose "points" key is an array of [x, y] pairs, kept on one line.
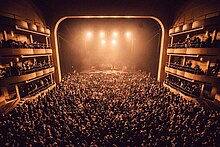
{"points": [[104, 71], [119, 42], [107, 69]]}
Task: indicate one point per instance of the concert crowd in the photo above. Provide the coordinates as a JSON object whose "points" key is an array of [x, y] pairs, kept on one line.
{"points": [[100, 109]]}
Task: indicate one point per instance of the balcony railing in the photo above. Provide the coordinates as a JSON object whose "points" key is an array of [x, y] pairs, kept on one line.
{"points": [[20, 45], [39, 89], [184, 45], [5, 72], [186, 69], [35, 69], [185, 90]]}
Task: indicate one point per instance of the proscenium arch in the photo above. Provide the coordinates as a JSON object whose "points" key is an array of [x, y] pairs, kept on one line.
{"points": [[160, 75]]}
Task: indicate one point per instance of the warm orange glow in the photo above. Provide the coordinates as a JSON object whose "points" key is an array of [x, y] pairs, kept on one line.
{"points": [[128, 34], [102, 34], [163, 43], [115, 34], [113, 41], [103, 41], [89, 34]]}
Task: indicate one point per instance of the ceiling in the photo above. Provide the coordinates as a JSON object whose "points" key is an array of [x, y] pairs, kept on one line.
{"points": [[52, 10]]}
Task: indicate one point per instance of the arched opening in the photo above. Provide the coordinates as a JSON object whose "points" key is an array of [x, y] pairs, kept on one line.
{"points": [[162, 46]]}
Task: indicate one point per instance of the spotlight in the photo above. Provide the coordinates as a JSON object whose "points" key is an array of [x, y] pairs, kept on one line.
{"points": [[128, 34], [113, 41], [89, 34], [115, 34], [103, 41], [102, 34]]}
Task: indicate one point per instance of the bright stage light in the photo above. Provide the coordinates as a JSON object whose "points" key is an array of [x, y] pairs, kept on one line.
{"points": [[115, 34], [113, 41], [128, 34], [102, 34], [89, 34], [103, 41]]}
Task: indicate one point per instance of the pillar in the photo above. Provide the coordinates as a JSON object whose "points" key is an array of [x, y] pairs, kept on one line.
{"points": [[55, 56]]}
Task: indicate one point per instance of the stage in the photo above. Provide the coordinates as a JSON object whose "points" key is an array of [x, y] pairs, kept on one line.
{"points": [[104, 71]]}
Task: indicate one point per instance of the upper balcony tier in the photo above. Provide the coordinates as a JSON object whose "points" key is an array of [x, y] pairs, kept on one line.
{"points": [[23, 51], [195, 26], [25, 78], [24, 26], [215, 81], [194, 51]]}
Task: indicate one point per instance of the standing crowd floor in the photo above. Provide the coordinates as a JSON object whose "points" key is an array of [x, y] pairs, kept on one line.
{"points": [[110, 109]]}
